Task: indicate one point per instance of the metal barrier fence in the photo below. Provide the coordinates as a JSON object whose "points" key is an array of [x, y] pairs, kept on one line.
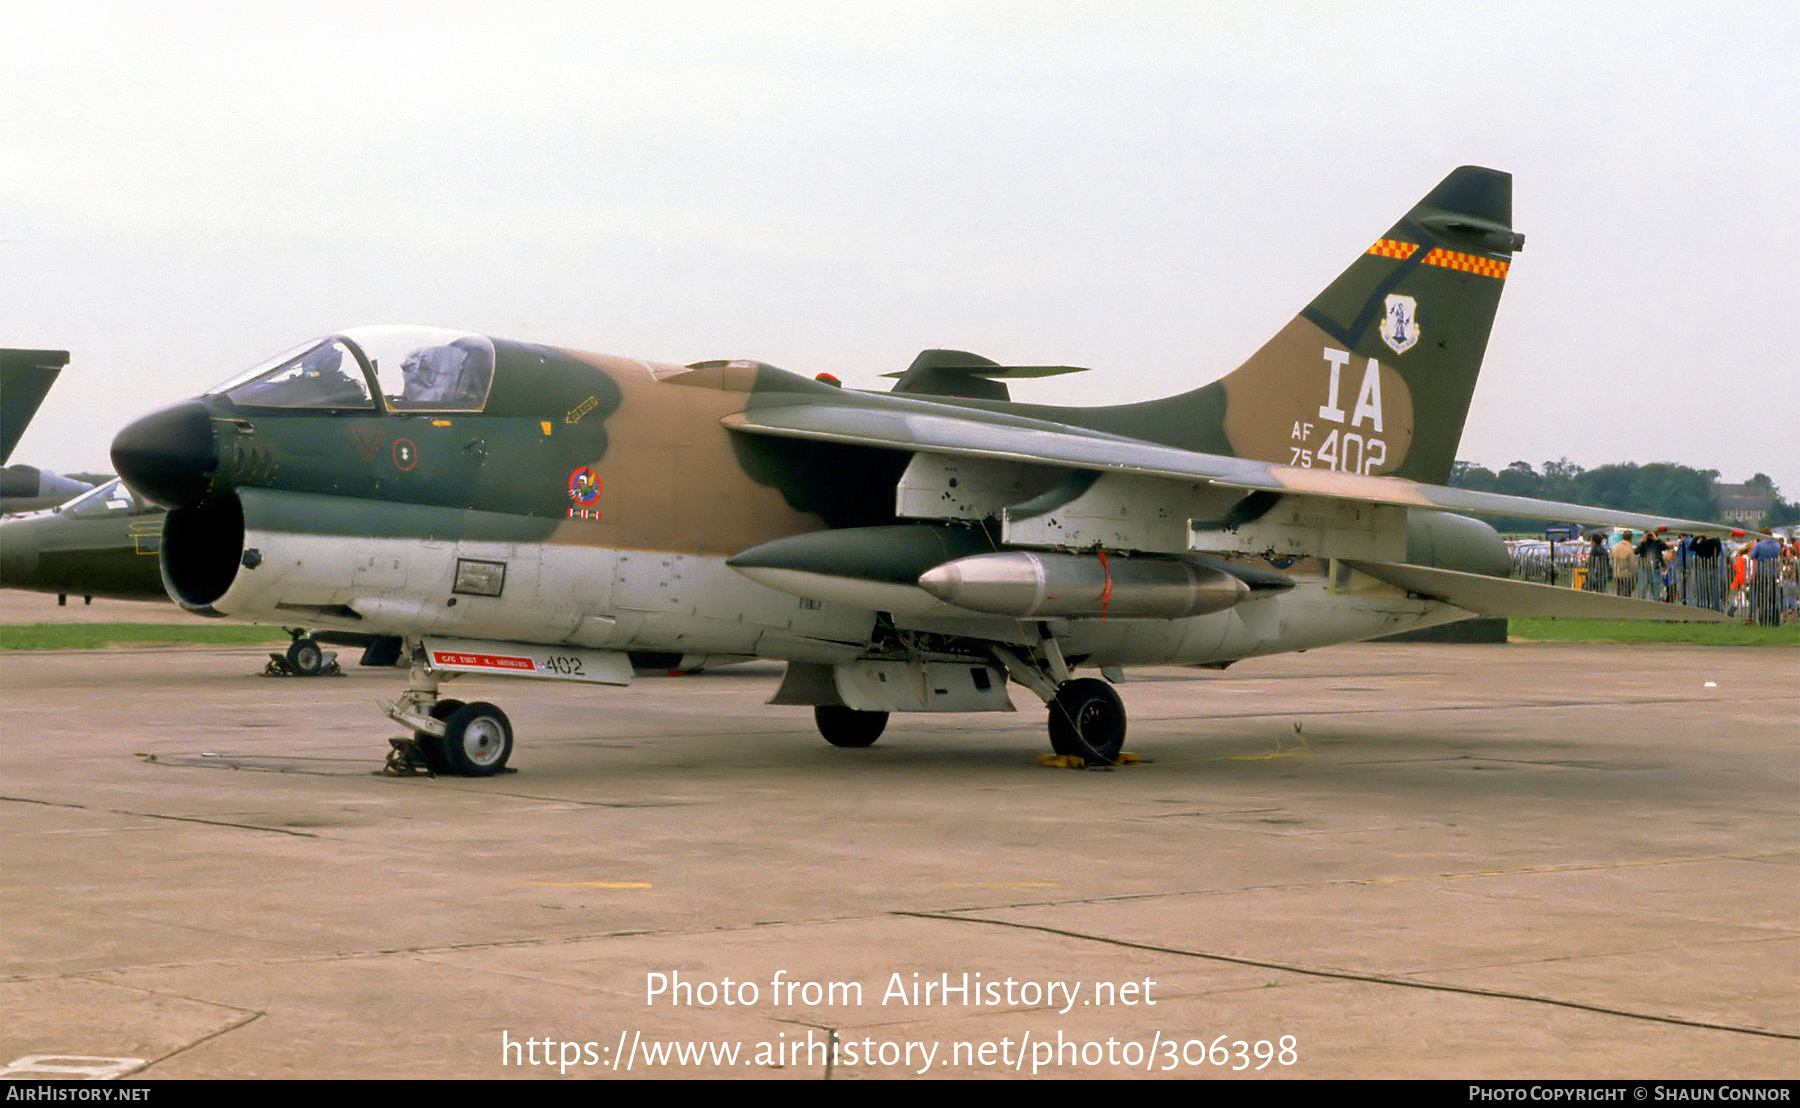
{"points": [[1549, 564], [1676, 577]]}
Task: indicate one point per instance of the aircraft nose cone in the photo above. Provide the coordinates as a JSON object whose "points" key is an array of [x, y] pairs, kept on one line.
{"points": [[169, 456]]}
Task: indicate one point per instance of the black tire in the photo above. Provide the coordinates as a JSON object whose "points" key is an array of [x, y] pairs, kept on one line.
{"points": [[477, 740], [305, 657], [1087, 721], [848, 727], [431, 746]]}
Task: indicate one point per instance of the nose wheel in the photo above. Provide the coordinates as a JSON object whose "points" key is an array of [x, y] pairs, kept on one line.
{"points": [[431, 747], [477, 740], [449, 737]]}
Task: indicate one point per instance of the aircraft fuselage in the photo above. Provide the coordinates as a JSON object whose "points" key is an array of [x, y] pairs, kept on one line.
{"points": [[593, 502]]}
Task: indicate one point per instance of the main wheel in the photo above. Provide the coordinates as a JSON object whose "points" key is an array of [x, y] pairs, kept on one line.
{"points": [[305, 657], [848, 727], [477, 740], [1087, 721]]}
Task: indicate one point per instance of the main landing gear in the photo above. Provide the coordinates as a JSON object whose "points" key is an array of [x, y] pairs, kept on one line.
{"points": [[1087, 721], [1087, 718], [847, 727], [448, 737]]}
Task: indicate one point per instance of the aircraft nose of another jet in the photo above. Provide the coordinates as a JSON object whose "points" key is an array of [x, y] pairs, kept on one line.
{"points": [[169, 456]]}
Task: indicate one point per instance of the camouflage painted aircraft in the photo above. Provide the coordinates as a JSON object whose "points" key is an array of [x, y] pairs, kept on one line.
{"points": [[511, 508], [103, 542]]}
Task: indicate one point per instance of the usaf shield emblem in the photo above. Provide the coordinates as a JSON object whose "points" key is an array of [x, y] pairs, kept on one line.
{"points": [[1400, 327]]}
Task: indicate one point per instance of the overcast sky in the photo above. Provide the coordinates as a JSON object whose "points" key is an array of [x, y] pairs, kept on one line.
{"points": [[1148, 189]]}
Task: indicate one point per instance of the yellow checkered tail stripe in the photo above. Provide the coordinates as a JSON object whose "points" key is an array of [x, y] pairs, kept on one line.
{"points": [[1448, 259], [1468, 263]]}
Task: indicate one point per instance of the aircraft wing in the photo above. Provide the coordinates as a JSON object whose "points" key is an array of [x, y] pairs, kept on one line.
{"points": [[978, 434], [1504, 596]]}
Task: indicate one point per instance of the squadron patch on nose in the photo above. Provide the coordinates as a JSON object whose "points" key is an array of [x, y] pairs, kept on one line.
{"points": [[584, 490], [1400, 326]]}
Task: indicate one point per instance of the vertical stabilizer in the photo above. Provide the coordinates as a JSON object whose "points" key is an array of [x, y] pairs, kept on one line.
{"points": [[1375, 375], [25, 378]]}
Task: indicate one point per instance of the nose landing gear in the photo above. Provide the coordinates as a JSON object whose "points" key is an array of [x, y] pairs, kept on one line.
{"points": [[448, 737]]}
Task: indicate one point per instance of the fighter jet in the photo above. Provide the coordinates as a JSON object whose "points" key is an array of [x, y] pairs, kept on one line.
{"points": [[506, 507], [101, 543]]}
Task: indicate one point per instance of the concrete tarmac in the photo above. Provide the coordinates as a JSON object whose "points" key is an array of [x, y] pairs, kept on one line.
{"points": [[1370, 861]]}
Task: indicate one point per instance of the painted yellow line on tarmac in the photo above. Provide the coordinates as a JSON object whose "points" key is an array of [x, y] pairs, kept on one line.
{"points": [[1260, 757]]}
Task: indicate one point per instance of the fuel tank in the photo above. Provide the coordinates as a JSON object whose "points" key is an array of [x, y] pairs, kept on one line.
{"points": [[1032, 584]]}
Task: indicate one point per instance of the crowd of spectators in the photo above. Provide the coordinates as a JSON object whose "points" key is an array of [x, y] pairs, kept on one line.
{"points": [[1755, 581]]}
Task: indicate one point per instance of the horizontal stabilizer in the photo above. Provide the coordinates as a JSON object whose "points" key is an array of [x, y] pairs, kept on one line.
{"points": [[1502, 596], [961, 374]]}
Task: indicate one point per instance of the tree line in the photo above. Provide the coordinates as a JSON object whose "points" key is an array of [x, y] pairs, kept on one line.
{"points": [[1659, 488]]}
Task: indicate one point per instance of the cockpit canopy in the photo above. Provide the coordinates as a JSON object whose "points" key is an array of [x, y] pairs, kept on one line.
{"points": [[411, 369], [109, 499]]}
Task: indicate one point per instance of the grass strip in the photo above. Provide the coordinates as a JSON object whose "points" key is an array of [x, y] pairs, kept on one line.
{"points": [[1643, 631], [95, 636]]}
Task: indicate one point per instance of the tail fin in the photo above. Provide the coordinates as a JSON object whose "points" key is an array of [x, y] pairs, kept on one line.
{"points": [[1376, 374], [25, 379]]}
